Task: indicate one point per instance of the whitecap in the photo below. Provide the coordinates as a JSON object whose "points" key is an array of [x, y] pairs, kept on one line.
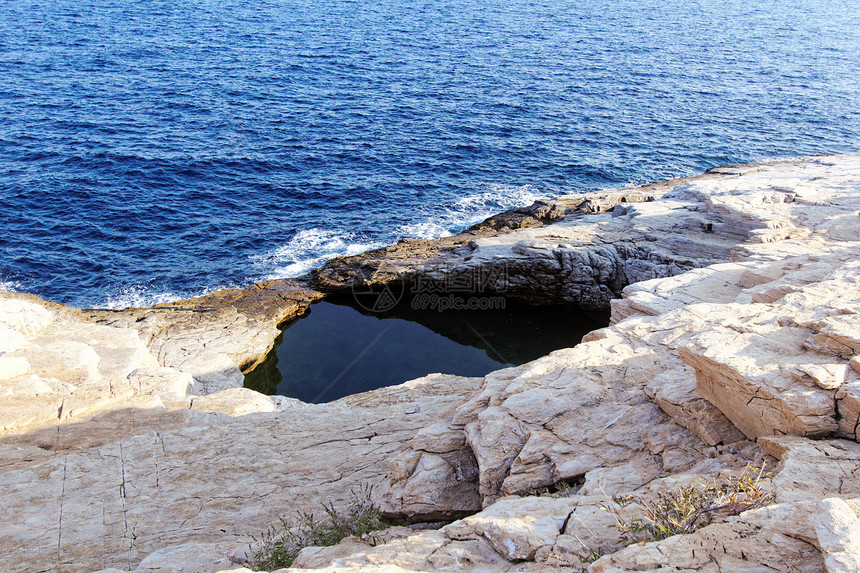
{"points": [[308, 249], [423, 230], [469, 210], [136, 296], [311, 248]]}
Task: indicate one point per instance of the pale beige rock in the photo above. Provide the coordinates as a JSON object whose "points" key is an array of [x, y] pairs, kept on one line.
{"points": [[848, 407], [675, 392], [843, 562], [319, 557], [168, 383], [814, 469], [590, 530], [473, 555], [437, 477], [215, 480], [21, 320], [217, 337], [748, 375], [827, 376], [234, 402], [386, 568], [409, 552], [13, 366], [516, 527], [584, 410], [773, 538], [838, 336], [432, 487], [838, 527], [191, 558]]}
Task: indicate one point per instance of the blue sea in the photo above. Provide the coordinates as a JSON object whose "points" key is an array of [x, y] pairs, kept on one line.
{"points": [[157, 150]]}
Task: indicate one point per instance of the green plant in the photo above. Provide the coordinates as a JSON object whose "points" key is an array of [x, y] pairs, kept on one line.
{"points": [[278, 548], [593, 555], [689, 508]]}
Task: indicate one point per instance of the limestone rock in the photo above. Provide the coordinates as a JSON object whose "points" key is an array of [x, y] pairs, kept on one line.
{"points": [[422, 551], [838, 531], [516, 527], [137, 492], [848, 408], [437, 477], [14, 366], [777, 537], [190, 558], [675, 392], [234, 402], [752, 384], [217, 337], [757, 365], [814, 469], [581, 414], [319, 557]]}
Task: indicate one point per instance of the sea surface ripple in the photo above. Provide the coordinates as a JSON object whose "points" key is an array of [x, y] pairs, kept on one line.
{"points": [[157, 150]]}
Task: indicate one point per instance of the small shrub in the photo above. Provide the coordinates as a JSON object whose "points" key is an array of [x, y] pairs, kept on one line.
{"points": [[279, 548], [692, 507]]}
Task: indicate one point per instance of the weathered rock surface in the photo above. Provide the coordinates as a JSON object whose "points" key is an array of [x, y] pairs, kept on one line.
{"points": [[114, 501], [129, 443], [761, 345]]}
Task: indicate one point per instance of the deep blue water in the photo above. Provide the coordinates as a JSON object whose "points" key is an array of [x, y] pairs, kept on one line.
{"points": [[156, 150]]}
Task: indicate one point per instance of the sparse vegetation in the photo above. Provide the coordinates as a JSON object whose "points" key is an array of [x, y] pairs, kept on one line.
{"points": [[593, 555], [279, 547], [689, 508], [563, 488]]}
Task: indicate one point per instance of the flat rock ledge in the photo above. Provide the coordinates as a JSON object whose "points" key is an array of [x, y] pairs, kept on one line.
{"points": [[129, 444]]}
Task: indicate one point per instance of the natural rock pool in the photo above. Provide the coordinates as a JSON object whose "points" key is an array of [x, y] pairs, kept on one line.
{"points": [[335, 350]]}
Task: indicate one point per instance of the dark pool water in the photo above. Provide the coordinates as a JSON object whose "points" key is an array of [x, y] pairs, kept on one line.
{"points": [[335, 350]]}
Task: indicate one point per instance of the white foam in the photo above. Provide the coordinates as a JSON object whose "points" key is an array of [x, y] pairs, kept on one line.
{"points": [[9, 286], [423, 230], [309, 249], [469, 210], [139, 296]]}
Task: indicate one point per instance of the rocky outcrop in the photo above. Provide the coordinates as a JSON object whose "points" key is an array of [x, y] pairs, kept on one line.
{"points": [[218, 337], [92, 492], [584, 249], [696, 366], [128, 442]]}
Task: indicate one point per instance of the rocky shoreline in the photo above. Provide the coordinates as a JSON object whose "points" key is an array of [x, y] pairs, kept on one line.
{"points": [[129, 443]]}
